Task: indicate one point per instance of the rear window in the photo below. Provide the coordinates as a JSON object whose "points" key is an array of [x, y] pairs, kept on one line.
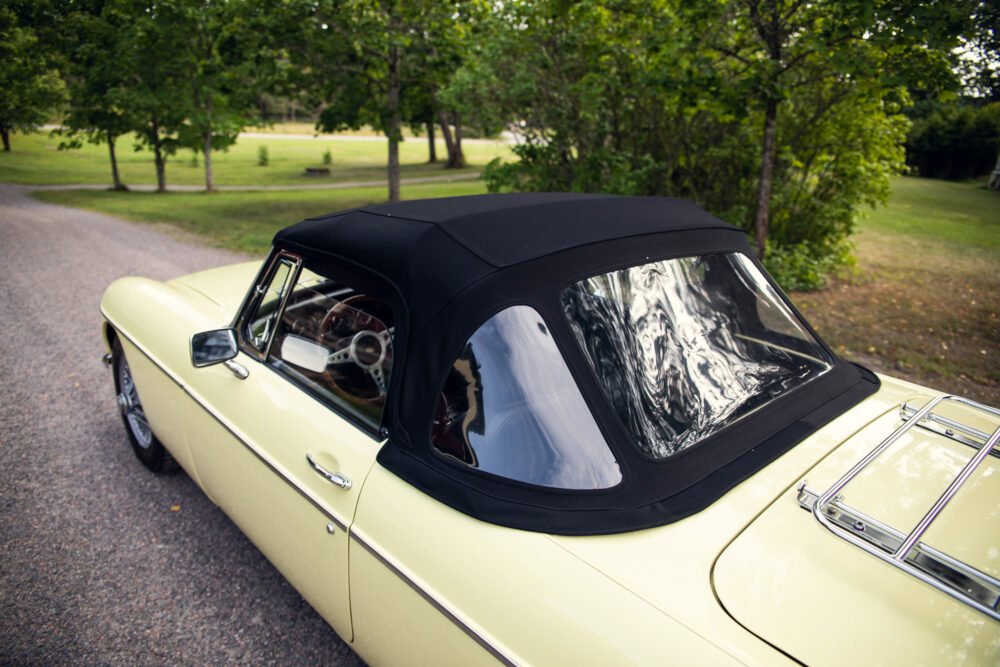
{"points": [[511, 408], [685, 347]]}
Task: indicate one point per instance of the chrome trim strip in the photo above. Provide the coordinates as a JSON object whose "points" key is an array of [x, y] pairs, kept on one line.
{"points": [[293, 279], [495, 652], [238, 437]]}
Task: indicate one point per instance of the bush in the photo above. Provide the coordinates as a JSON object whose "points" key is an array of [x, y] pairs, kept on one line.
{"points": [[262, 157], [327, 157], [803, 267]]}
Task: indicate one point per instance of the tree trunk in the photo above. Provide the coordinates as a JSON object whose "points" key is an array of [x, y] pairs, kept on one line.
{"points": [[392, 104], [768, 156], [459, 160], [116, 180], [432, 155], [995, 176], [160, 159], [449, 141], [453, 142], [5, 132], [207, 147]]}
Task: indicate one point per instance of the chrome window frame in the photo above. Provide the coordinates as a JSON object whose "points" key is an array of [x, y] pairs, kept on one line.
{"points": [[253, 298]]}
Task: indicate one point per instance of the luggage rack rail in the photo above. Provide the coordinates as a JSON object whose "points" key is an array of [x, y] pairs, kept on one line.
{"points": [[905, 551]]}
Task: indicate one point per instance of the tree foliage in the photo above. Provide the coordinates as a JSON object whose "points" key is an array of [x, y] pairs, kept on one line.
{"points": [[30, 84], [380, 63], [676, 98], [94, 41], [955, 141]]}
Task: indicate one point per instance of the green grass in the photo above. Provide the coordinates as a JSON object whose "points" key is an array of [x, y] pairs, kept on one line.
{"points": [[962, 216], [243, 221], [924, 300], [35, 159]]}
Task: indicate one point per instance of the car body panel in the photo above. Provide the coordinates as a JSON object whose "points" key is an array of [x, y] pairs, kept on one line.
{"points": [[224, 286], [259, 475], [521, 593], [786, 576], [270, 492], [671, 566]]}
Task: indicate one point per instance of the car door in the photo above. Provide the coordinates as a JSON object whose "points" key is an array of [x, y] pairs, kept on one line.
{"points": [[281, 447]]}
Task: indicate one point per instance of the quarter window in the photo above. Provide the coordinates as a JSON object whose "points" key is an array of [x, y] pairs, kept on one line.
{"points": [[510, 407]]}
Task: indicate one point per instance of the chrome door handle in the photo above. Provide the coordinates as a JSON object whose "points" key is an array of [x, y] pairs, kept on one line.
{"points": [[239, 370], [332, 477]]}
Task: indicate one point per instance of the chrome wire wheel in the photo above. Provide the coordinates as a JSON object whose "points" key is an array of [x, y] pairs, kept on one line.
{"points": [[131, 407], [145, 444]]}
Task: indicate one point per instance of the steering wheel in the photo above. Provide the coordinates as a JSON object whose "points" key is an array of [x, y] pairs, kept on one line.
{"points": [[360, 340]]}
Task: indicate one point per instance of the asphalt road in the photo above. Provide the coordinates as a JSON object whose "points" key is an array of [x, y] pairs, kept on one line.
{"points": [[95, 567]]}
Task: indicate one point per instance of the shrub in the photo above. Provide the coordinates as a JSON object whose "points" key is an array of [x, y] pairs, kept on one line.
{"points": [[803, 267], [327, 157], [262, 157]]}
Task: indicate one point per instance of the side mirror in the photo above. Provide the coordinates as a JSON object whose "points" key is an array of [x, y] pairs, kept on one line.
{"points": [[213, 347]]}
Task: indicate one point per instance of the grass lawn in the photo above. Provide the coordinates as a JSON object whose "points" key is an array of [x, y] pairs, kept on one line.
{"points": [[924, 300], [244, 221], [35, 159]]}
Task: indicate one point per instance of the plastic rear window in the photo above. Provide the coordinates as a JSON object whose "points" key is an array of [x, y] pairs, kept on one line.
{"points": [[685, 347]]}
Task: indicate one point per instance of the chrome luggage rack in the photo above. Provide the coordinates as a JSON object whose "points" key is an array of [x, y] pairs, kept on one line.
{"points": [[905, 551]]}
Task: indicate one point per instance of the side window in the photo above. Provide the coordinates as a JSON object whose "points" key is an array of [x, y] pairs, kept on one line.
{"points": [[510, 407], [267, 302], [337, 343]]}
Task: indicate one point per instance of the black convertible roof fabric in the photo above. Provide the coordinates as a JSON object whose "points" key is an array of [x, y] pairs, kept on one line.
{"points": [[432, 249], [448, 265]]}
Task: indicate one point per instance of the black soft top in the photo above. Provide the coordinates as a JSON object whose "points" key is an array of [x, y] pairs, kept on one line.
{"points": [[432, 249], [448, 265]]}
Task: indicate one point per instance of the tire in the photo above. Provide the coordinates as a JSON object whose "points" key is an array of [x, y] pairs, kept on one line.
{"points": [[145, 444]]}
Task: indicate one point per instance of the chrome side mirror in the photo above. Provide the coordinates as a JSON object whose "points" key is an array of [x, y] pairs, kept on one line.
{"points": [[213, 347]]}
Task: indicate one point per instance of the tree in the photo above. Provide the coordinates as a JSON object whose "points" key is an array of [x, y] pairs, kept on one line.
{"points": [[365, 58], [93, 40], [29, 81], [781, 116], [958, 140], [222, 61], [780, 46], [982, 62], [154, 60]]}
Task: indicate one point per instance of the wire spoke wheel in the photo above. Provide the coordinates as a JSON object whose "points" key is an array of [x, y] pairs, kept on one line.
{"points": [[146, 446]]}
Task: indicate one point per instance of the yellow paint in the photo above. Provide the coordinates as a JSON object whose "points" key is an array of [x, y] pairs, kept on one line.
{"points": [[646, 597]]}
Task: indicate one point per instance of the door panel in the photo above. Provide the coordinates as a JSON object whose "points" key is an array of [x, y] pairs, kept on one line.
{"points": [[249, 448]]}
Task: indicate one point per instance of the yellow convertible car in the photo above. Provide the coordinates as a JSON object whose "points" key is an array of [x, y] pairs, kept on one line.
{"points": [[560, 429]]}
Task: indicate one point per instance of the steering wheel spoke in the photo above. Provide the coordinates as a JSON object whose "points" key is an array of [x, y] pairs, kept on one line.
{"points": [[368, 346], [344, 356], [377, 376]]}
